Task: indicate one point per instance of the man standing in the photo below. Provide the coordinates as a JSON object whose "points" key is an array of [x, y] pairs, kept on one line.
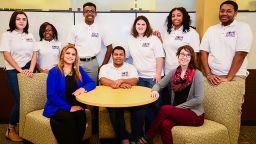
{"points": [[122, 75], [224, 47], [87, 38]]}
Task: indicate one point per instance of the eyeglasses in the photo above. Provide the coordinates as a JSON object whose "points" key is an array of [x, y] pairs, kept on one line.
{"points": [[185, 55], [89, 11]]}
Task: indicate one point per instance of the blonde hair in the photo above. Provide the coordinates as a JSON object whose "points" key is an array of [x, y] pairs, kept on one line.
{"points": [[60, 65]]}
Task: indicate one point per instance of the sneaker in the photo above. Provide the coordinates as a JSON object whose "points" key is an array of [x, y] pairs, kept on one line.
{"points": [[12, 135]]}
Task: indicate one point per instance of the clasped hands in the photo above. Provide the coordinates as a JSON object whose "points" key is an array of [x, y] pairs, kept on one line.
{"points": [[28, 73], [120, 83]]}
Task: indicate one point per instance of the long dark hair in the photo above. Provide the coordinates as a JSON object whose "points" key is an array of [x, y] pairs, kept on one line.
{"points": [[43, 28], [148, 31], [186, 21], [12, 22]]}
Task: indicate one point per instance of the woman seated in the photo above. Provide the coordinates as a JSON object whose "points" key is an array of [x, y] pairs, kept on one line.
{"points": [[64, 82], [187, 88]]}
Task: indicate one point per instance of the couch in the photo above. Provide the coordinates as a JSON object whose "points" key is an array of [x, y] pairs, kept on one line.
{"points": [[222, 106], [33, 126]]}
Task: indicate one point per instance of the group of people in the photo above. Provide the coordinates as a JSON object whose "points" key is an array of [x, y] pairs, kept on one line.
{"points": [[161, 60]]}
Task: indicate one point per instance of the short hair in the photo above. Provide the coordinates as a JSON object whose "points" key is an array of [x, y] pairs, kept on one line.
{"points": [[118, 48], [89, 4], [186, 21], [148, 31], [234, 4], [189, 49], [43, 28], [12, 22]]}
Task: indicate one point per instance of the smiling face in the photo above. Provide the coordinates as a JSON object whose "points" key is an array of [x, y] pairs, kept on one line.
{"points": [[141, 27], [20, 22], [184, 58], [227, 14], [48, 33], [69, 56], [118, 57], [177, 18], [89, 14]]}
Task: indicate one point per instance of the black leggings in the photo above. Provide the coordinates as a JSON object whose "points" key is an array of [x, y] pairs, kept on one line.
{"points": [[68, 127]]}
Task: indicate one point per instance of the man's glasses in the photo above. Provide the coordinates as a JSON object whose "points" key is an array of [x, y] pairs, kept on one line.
{"points": [[89, 11]]}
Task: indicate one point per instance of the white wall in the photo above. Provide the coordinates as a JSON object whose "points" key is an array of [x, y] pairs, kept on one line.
{"points": [[118, 26]]}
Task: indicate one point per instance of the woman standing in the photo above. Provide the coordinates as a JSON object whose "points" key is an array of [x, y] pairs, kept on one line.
{"points": [[64, 82], [20, 55], [186, 83], [178, 33], [147, 53], [48, 48]]}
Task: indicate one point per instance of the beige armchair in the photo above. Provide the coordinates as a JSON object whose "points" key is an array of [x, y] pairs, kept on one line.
{"points": [[33, 126], [222, 106]]}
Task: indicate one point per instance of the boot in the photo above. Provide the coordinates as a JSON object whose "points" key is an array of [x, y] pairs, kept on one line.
{"points": [[12, 135]]}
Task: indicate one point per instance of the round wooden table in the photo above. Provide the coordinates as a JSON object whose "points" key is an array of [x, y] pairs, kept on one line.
{"points": [[105, 96]]}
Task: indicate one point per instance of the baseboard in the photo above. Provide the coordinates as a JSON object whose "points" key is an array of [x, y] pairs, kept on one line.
{"points": [[248, 123]]}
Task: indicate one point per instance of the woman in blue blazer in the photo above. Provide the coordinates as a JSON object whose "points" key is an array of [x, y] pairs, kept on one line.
{"points": [[64, 82]]}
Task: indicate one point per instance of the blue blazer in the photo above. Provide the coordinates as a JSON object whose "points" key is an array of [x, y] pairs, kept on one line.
{"points": [[56, 90]]}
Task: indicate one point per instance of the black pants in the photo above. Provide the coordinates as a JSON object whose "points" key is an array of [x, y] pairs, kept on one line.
{"points": [[68, 127]]}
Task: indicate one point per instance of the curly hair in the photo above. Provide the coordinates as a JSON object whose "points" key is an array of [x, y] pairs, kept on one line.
{"points": [[186, 21], [42, 29]]}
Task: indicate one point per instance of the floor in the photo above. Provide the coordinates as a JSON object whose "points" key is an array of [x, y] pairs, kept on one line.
{"points": [[247, 136]]}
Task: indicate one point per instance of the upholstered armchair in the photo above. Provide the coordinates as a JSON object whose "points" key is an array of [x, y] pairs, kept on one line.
{"points": [[222, 106], [33, 126]]}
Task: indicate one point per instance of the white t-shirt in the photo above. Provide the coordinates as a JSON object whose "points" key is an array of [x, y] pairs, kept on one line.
{"points": [[87, 39], [20, 45], [173, 41], [144, 52], [126, 71], [222, 42], [48, 53]]}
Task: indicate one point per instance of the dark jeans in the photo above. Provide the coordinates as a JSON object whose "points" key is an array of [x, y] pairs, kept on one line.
{"points": [[68, 127], [152, 108], [168, 117], [13, 84], [137, 122]]}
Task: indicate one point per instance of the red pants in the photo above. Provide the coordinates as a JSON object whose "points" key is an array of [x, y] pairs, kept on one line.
{"points": [[169, 116]]}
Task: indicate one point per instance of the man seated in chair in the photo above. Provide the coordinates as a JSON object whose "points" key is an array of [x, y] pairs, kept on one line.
{"points": [[120, 74]]}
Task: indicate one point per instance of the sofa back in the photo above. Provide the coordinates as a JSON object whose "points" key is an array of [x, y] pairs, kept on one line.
{"points": [[32, 95], [223, 104]]}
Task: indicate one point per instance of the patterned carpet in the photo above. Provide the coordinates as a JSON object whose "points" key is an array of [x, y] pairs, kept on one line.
{"points": [[247, 136]]}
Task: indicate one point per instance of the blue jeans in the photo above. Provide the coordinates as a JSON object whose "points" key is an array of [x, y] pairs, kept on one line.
{"points": [[13, 84], [152, 108], [137, 121]]}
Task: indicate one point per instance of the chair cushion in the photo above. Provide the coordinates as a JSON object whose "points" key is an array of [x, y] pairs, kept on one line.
{"points": [[209, 133], [105, 128], [37, 128]]}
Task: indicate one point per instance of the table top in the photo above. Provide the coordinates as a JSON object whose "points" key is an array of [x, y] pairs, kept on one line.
{"points": [[105, 96]]}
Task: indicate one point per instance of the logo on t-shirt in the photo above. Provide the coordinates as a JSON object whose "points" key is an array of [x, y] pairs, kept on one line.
{"points": [[180, 38], [231, 34], [145, 44], [125, 74], [55, 47], [96, 35], [29, 40]]}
